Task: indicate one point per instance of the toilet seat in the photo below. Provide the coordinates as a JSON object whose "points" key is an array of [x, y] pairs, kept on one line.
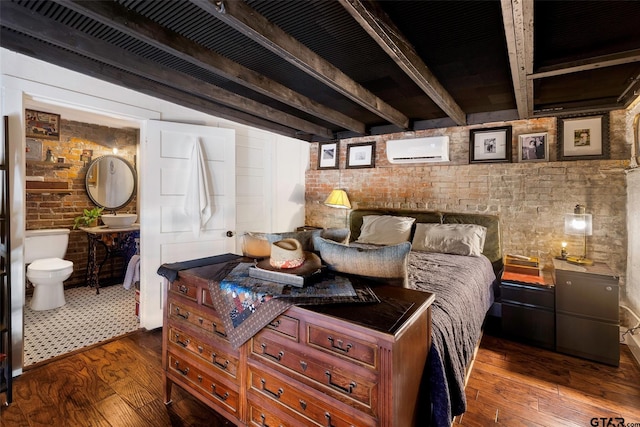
{"points": [[47, 267]]}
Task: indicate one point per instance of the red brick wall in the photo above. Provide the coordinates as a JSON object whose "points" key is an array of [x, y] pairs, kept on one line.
{"points": [[59, 210], [530, 198]]}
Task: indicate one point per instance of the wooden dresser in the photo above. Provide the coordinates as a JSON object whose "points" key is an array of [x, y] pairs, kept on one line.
{"points": [[330, 365]]}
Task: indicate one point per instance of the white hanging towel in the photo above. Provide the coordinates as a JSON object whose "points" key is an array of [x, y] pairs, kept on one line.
{"points": [[197, 203], [133, 272]]}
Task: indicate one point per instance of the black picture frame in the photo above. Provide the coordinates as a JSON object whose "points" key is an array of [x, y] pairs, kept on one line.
{"points": [[490, 145], [329, 155], [361, 155], [583, 137]]}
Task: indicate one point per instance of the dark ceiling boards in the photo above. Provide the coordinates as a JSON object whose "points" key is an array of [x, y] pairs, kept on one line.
{"points": [[324, 69]]}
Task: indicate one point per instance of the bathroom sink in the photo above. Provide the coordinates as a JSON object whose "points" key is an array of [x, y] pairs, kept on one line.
{"points": [[118, 220]]}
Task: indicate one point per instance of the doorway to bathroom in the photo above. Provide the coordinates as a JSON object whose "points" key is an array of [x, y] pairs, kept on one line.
{"points": [[87, 318]]}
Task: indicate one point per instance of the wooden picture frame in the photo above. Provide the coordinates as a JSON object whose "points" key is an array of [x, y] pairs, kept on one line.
{"points": [[361, 155], [41, 125], [533, 147], [490, 145], [329, 155], [583, 137]]}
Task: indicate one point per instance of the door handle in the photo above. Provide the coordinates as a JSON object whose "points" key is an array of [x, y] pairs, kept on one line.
{"points": [[230, 233]]}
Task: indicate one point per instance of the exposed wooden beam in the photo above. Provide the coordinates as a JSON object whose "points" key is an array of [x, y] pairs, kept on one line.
{"points": [[18, 19], [69, 60], [517, 16], [249, 22], [380, 27], [142, 28], [587, 64]]}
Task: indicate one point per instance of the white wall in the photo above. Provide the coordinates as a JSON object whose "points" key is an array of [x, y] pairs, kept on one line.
{"points": [[23, 78]]}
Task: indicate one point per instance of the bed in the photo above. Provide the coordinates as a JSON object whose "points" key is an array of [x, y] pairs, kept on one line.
{"points": [[465, 289]]}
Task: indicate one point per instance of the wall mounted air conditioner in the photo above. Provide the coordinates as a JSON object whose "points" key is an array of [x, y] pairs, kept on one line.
{"points": [[418, 150]]}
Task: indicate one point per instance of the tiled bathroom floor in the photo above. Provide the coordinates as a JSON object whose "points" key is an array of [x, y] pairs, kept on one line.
{"points": [[85, 319]]}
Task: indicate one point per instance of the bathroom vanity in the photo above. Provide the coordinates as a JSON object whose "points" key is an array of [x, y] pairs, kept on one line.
{"points": [[117, 242]]}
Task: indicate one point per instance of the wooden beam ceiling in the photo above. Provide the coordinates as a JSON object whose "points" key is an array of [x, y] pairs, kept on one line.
{"points": [[18, 19], [141, 28], [249, 22], [518, 27], [378, 25]]}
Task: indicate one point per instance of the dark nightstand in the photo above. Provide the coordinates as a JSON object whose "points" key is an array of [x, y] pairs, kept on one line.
{"points": [[528, 308], [587, 317]]}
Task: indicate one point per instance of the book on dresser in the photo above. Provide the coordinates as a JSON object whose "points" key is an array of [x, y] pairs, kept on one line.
{"points": [[337, 364]]}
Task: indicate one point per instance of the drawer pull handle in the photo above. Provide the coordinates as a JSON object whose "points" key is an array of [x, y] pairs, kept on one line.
{"points": [[183, 289], [264, 388], [263, 417], [184, 316], [328, 417], [184, 344], [276, 358], [184, 371], [303, 404], [215, 330], [275, 324], [348, 390], [199, 378], [609, 288], [218, 364], [303, 365], [200, 320], [222, 397], [339, 345], [200, 349], [568, 282]]}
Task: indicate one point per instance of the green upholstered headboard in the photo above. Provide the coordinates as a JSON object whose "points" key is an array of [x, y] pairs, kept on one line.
{"points": [[493, 242]]}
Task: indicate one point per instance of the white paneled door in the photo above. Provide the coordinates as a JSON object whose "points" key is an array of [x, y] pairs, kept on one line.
{"points": [[170, 194]]}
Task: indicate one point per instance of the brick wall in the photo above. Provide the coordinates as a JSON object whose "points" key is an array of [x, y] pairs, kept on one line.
{"points": [[59, 210], [530, 198]]}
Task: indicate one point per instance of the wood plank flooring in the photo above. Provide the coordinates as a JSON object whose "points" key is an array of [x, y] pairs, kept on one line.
{"points": [[120, 384]]}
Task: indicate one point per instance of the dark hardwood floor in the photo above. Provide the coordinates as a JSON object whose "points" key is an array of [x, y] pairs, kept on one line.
{"points": [[120, 384]]}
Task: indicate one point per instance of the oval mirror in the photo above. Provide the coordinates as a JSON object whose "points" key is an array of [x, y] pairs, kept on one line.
{"points": [[110, 182]]}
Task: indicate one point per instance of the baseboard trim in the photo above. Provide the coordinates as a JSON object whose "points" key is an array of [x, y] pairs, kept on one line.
{"points": [[633, 342]]}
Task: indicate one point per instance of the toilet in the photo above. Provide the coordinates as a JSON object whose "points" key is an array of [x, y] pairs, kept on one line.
{"points": [[46, 270]]}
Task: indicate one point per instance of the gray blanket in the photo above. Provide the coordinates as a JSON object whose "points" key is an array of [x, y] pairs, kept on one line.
{"points": [[464, 294]]}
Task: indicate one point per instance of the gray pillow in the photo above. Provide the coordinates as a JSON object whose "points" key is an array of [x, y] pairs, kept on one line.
{"points": [[340, 235], [457, 239], [385, 229], [387, 262]]}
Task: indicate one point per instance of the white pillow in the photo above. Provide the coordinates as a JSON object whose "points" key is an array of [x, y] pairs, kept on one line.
{"points": [[385, 229], [457, 239]]}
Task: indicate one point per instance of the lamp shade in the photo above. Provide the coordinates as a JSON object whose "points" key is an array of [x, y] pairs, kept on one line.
{"points": [[578, 224], [338, 199]]}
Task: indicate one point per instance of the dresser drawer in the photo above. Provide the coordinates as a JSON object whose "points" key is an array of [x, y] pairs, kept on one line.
{"points": [[334, 378], [219, 360], [260, 416], [528, 295], [286, 325], [301, 403], [591, 296], [343, 345], [180, 288], [204, 320], [214, 390]]}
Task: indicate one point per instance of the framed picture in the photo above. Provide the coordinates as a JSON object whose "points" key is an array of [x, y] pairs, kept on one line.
{"points": [[361, 155], [533, 147], [583, 137], [33, 150], [491, 145], [42, 125], [328, 155]]}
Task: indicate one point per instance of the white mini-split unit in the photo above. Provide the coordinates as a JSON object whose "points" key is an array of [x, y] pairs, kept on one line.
{"points": [[418, 150]]}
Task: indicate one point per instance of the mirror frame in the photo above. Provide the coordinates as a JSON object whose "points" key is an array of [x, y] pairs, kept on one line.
{"points": [[133, 191]]}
